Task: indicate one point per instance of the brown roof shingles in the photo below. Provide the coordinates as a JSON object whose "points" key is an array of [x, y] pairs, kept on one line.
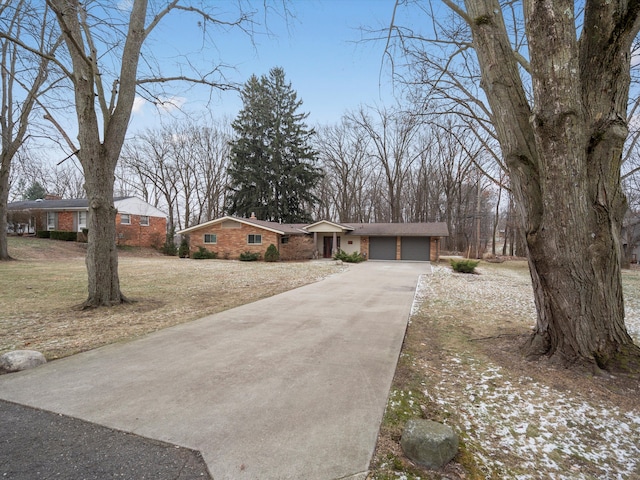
{"points": [[286, 228], [435, 229]]}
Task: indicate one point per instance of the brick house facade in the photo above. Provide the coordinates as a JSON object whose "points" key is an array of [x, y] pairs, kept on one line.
{"points": [[138, 223], [141, 231], [231, 236]]}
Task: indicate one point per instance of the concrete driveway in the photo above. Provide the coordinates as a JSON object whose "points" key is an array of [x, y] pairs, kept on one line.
{"points": [[290, 387]]}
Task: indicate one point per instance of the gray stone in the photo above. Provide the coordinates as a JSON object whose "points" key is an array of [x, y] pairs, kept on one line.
{"points": [[430, 444], [20, 360]]}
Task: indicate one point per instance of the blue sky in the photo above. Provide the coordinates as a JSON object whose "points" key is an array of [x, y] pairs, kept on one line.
{"points": [[320, 49]]}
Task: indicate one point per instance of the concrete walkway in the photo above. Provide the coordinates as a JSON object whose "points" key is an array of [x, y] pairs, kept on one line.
{"points": [[290, 387]]}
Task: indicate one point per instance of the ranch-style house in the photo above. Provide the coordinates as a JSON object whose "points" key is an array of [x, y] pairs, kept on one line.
{"points": [[230, 236], [138, 224]]}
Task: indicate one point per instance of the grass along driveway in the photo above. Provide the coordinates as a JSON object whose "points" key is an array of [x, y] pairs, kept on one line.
{"points": [[460, 365], [40, 293]]}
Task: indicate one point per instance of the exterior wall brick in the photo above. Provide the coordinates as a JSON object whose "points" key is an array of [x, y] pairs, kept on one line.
{"points": [[136, 235], [434, 252], [66, 221], [299, 247], [364, 247], [231, 242]]}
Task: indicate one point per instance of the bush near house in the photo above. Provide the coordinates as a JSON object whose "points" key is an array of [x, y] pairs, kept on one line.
{"points": [[183, 250], [249, 256], [355, 257], [169, 246], [464, 266], [63, 235], [204, 254], [43, 234], [272, 254]]}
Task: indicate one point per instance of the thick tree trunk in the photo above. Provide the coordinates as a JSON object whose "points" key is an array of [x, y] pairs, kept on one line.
{"points": [[102, 254], [99, 157], [564, 156], [575, 268]]}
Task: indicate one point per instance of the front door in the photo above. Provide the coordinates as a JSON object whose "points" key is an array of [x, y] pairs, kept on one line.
{"points": [[327, 250]]}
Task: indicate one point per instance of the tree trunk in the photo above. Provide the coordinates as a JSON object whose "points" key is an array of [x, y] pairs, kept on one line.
{"points": [[575, 268], [102, 254], [100, 157], [496, 220], [564, 157], [4, 198]]}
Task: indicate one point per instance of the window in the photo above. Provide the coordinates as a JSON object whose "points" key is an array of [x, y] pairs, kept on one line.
{"points": [[82, 220], [284, 240], [144, 220], [51, 220], [125, 219], [210, 238], [254, 239]]}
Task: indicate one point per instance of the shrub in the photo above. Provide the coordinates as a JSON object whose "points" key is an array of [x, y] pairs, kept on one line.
{"points": [[43, 234], [169, 246], [249, 256], [204, 254], [183, 251], [272, 254], [62, 235], [464, 266], [354, 257]]}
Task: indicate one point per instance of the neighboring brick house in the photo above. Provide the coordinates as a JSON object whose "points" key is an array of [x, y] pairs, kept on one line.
{"points": [[231, 236], [138, 223]]}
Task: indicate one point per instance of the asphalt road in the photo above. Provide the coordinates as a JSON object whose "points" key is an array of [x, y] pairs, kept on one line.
{"points": [[39, 445]]}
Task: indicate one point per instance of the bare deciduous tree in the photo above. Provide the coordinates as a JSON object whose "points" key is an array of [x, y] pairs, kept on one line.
{"points": [[180, 167], [344, 154], [105, 48], [559, 112], [24, 77], [395, 147]]}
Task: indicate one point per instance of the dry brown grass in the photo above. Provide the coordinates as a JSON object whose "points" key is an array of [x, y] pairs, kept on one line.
{"points": [[41, 291]]}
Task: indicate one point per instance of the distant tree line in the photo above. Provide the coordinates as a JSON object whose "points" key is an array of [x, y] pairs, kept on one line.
{"points": [[377, 165]]}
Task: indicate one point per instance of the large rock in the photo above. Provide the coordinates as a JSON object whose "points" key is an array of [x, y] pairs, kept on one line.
{"points": [[430, 444], [20, 360]]}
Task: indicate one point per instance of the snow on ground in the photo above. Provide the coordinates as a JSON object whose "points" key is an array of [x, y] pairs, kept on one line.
{"points": [[524, 430], [516, 427]]}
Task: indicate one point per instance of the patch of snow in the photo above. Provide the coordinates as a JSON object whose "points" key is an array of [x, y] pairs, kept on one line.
{"points": [[516, 427], [537, 425]]}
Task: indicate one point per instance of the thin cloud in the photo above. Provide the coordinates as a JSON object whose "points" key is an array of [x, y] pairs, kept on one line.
{"points": [[125, 5], [138, 105], [170, 104]]}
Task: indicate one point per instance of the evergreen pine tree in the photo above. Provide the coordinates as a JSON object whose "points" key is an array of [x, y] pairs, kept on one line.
{"points": [[272, 170], [35, 191]]}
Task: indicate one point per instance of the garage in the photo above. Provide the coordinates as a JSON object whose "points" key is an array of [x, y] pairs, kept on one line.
{"points": [[415, 248], [382, 248]]}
